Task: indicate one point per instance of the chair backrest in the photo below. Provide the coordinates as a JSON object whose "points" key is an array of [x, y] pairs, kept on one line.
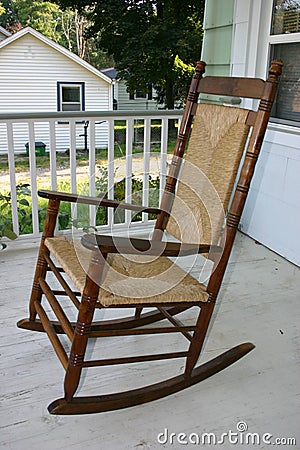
{"points": [[197, 209], [210, 167]]}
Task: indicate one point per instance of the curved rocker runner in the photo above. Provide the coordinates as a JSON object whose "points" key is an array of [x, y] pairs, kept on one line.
{"points": [[109, 402]]}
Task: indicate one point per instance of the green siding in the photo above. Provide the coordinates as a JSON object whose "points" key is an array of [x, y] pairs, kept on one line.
{"points": [[217, 46], [219, 13], [218, 27]]}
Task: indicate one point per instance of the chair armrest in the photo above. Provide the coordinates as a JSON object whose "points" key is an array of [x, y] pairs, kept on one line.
{"points": [[97, 201], [124, 245]]}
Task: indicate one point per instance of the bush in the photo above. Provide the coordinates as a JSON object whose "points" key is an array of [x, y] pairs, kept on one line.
{"points": [[24, 213], [64, 217]]}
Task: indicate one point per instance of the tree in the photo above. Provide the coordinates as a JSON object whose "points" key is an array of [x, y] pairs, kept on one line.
{"points": [[288, 4], [9, 16], [67, 27], [152, 41]]}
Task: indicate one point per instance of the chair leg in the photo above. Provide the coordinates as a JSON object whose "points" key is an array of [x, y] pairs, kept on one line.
{"points": [[196, 344], [80, 338], [36, 291], [138, 312], [41, 266], [83, 326]]}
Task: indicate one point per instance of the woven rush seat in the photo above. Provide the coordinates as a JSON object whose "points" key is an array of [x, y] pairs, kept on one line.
{"points": [[128, 280]]}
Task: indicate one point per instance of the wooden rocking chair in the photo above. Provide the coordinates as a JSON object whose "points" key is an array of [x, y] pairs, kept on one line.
{"points": [[118, 272]]}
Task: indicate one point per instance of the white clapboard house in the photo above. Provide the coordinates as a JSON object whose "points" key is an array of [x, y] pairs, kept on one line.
{"points": [[124, 100], [36, 76]]}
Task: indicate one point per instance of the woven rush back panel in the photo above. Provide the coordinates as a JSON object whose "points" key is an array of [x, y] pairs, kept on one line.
{"points": [[209, 170]]}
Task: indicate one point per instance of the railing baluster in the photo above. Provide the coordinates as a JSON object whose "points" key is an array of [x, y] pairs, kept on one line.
{"points": [[12, 177], [128, 179], [163, 155], [73, 156], [73, 165], [53, 166], [147, 139], [33, 182], [92, 170], [111, 176]]}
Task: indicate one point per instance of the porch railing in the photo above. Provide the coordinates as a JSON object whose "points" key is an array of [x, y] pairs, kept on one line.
{"points": [[87, 132]]}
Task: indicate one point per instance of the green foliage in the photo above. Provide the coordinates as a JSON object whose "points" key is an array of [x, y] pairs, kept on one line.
{"points": [[65, 220], [24, 205], [120, 195], [9, 16], [40, 15], [24, 216], [145, 37], [82, 220]]}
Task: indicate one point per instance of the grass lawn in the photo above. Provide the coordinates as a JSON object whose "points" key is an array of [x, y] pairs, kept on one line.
{"points": [[82, 158]]}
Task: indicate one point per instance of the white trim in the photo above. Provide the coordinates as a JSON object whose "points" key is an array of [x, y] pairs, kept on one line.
{"points": [[275, 126], [246, 42], [57, 47], [4, 31], [284, 38], [63, 104]]}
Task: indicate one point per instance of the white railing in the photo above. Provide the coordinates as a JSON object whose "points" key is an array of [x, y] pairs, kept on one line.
{"points": [[85, 131]]}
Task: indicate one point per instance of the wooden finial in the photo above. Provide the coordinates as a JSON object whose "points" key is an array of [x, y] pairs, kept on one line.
{"points": [[276, 68], [200, 68]]}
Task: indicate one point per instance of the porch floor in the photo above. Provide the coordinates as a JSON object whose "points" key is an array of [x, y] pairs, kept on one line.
{"points": [[259, 302]]}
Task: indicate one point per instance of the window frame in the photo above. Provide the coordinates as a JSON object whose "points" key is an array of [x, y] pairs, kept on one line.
{"points": [[61, 84], [276, 39]]}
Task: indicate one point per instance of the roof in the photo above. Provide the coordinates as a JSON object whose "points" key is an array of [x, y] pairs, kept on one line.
{"points": [[4, 31], [28, 30], [111, 72]]}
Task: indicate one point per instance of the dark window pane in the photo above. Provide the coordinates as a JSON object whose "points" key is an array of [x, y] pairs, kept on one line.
{"points": [[70, 94], [140, 94], [286, 17], [287, 105]]}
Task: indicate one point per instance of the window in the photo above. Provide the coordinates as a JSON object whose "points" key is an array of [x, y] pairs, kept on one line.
{"points": [[286, 17], [285, 45], [287, 105], [70, 96], [141, 94]]}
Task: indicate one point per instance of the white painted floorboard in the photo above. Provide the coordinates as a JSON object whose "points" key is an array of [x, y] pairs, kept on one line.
{"points": [[259, 302]]}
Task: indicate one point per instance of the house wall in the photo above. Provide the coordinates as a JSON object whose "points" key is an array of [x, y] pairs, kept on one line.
{"points": [[272, 210], [138, 104], [29, 72], [218, 25]]}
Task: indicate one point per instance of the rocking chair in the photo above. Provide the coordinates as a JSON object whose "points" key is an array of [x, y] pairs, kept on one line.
{"points": [[201, 212]]}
